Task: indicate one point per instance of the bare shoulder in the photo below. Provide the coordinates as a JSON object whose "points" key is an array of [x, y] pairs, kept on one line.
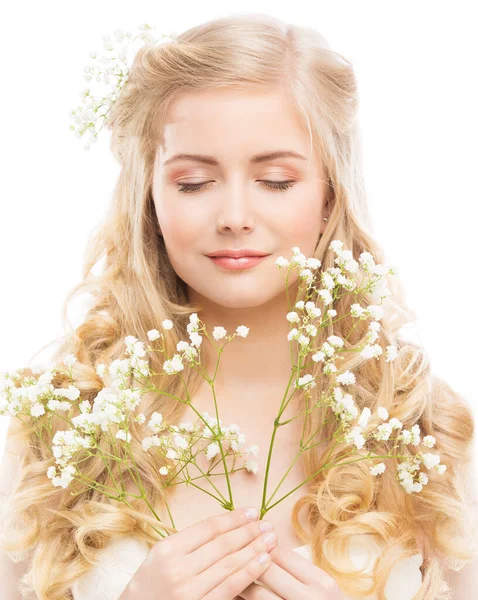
{"points": [[464, 583], [10, 572]]}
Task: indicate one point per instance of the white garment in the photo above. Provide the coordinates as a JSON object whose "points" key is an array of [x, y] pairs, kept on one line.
{"points": [[122, 558]]}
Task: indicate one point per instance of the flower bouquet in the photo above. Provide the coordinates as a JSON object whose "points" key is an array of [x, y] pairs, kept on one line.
{"points": [[115, 408]]}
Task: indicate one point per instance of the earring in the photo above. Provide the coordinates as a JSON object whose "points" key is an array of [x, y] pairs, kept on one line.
{"points": [[325, 219]]}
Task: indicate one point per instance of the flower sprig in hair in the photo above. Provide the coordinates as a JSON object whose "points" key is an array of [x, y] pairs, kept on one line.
{"points": [[113, 70]]}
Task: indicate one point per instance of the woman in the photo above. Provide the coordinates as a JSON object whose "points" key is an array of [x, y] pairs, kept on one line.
{"points": [[269, 112]]}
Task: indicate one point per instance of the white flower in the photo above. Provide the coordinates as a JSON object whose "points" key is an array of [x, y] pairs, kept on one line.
{"points": [[328, 280], [377, 469], [364, 417], [307, 381], [336, 245], [313, 263], [101, 369], [384, 431], [429, 441], [299, 260], [395, 423], [326, 296], [303, 340], [66, 477], [335, 340], [351, 266], [367, 261], [391, 352], [318, 356], [300, 304], [37, 409], [70, 360], [242, 331], [172, 454], [253, 450], [251, 465], [430, 460], [382, 412], [375, 311], [293, 334], [356, 310], [167, 324], [156, 422], [356, 436], [181, 346], [312, 310], [148, 442], [282, 262], [219, 333], [195, 338], [371, 351], [174, 365], [140, 418], [153, 334], [346, 378], [110, 69], [164, 470], [212, 450], [193, 319], [307, 275], [123, 435], [293, 317]]}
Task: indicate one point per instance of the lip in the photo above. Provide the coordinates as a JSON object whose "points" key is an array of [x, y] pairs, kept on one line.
{"points": [[237, 253], [244, 262]]}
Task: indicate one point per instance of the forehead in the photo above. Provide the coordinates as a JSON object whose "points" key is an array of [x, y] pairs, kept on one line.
{"points": [[233, 122]]}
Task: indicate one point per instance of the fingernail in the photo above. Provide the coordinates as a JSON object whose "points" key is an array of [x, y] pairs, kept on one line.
{"points": [[266, 526], [263, 557], [252, 513]]}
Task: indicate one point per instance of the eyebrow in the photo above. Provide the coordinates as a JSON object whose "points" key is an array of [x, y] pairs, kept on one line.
{"points": [[256, 159]]}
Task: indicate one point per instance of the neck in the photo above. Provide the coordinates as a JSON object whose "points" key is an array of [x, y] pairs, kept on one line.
{"points": [[258, 364]]}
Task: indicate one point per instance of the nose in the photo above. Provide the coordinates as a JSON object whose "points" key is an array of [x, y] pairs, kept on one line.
{"points": [[236, 209]]}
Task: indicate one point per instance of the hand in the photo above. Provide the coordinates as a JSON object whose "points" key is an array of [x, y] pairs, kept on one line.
{"points": [[214, 559], [290, 576]]}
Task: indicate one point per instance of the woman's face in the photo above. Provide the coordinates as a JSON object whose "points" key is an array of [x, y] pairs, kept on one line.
{"points": [[234, 207]]}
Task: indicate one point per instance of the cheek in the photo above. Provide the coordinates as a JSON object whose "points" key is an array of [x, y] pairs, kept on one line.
{"points": [[181, 226], [301, 226]]}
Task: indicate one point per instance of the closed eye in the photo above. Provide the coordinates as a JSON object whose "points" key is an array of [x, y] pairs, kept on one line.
{"points": [[276, 185]]}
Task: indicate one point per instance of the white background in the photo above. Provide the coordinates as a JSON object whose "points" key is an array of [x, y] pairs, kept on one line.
{"points": [[416, 67]]}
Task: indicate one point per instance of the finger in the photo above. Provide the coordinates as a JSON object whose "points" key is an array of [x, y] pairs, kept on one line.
{"points": [[258, 591], [301, 568], [190, 539], [280, 581], [291, 572], [228, 543], [240, 579]]}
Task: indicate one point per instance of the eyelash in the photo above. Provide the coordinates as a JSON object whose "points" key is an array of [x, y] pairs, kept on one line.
{"points": [[276, 185]]}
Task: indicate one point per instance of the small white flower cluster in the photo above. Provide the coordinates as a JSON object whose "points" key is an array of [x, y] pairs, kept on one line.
{"points": [[178, 445], [341, 403], [37, 394], [345, 408], [113, 66], [331, 279], [187, 351], [114, 405]]}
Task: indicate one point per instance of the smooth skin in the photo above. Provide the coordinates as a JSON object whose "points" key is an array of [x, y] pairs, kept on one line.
{"points": [[217, 559], [232, 200], [214, 559]]}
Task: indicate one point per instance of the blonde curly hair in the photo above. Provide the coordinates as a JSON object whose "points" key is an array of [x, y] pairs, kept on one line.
{"points": [[137, 288]]}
